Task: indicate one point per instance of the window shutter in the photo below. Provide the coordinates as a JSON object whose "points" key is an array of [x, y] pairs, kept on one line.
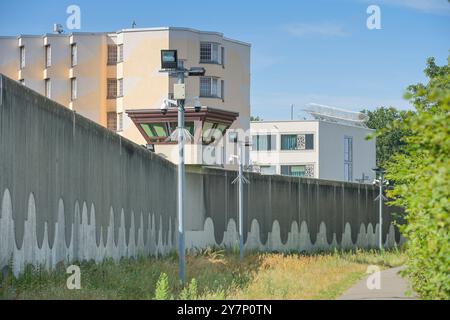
{"points": [[222, 56], [309, 141], [111, 121]]}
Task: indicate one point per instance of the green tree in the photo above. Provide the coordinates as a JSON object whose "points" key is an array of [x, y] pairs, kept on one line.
{"points": [[421, 173], [389, 137], [257, 118]]}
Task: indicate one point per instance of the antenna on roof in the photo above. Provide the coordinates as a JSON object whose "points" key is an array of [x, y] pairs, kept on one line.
{"points": [[332, 114], [133, 25], [58, 28]]}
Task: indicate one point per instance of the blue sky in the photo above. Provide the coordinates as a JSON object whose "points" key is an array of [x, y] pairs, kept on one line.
{"points": [[302, 51]]}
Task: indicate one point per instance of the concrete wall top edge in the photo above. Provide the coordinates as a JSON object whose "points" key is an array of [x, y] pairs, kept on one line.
{"points": [[255, 175], [81, 122]]}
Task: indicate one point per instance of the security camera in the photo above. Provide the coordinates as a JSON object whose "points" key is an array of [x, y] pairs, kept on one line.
{"points": [[197, 104], [167, 103], [164, 107]]}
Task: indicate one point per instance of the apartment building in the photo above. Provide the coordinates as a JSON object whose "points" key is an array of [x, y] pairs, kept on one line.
{"points": [[111, 77], [331, 145]]}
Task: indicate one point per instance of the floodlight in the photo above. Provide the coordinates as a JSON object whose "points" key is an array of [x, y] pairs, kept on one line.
{"points": [[196, 71], [378, 170], [169, 59]]}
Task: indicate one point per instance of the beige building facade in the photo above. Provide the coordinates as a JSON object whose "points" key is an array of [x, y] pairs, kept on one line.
{"points": [[103, 75]]}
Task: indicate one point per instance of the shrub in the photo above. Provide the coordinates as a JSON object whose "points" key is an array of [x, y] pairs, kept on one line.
{"points": [[162, 290], [421, 173]]}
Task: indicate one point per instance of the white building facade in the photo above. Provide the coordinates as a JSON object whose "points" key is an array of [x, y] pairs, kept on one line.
{"points": [[313, 148]]}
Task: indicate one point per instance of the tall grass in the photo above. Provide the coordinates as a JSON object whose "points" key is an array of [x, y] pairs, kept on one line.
{"points": [[211, 274]]}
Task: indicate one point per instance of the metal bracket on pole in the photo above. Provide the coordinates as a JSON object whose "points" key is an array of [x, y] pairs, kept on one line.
{"points": [[382, 197], [244, 179]]}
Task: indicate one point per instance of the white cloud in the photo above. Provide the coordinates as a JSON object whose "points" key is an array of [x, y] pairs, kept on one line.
{"points": [[429, 6], [261, 61], [320, 29]]}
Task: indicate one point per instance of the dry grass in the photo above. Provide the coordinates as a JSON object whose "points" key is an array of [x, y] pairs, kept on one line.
{"points": [[218, 275], [300, 277]]}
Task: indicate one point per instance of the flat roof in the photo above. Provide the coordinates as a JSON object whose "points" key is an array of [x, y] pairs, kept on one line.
{"points": [[81, 33], [312, 120], [215, 33]]}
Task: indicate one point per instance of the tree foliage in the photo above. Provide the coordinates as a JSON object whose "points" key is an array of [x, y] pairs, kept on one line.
{"points": [[389, 137], [421, 173], [255, 118]]}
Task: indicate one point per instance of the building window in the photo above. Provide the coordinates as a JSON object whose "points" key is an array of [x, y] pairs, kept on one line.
{"points": [[48, 56], [73, 89], [212, 132], [112, 54], [348, 158], [73, 55], [268, 169], [120, 53], [22, 57], [120, 121], [222, 89], [111, 121], [297, 141], [264, 142], [210, 87], [298, 170], [111, 88], [209, 52], [48, 88], [120, 87], [162, 131]]}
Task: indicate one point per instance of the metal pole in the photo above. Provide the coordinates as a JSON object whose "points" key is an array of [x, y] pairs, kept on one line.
{"points": [[181, 244], [241, 203], [292, 112], [381, 211]]}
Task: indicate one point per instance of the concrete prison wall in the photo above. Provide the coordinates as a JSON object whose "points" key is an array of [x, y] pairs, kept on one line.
{"points": [[73, 190]]}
